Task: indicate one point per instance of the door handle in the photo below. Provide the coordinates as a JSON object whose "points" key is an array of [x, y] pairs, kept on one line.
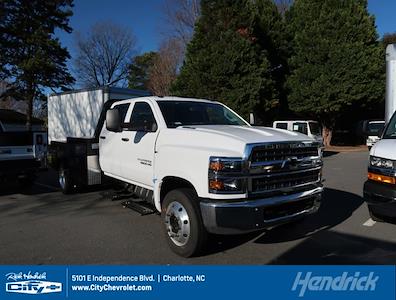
{"points": [[125, 139], [102, 137]]}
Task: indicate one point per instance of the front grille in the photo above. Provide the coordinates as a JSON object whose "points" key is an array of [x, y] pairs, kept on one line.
{"points": [[276, 152], [286, 180]]}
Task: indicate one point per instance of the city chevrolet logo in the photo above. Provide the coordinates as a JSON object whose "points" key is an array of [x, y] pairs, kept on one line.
{"points": [[31, 283]]}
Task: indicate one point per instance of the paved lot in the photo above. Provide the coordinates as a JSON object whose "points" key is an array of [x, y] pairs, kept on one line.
{"points": [[42, 226]]}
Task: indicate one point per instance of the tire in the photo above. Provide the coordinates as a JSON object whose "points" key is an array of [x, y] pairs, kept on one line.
{"points": [[183, 226], [65, 181], [374, 216]]}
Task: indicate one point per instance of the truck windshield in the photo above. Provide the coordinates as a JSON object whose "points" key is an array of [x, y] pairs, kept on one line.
{"points": [[390, 132], [186, 113], [315, 128]]}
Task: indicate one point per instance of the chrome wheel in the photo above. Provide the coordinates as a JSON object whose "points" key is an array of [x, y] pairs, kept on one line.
{"points": [[177, 223]]}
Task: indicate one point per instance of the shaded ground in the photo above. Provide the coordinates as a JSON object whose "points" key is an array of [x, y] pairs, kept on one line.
{"points": [[43, 226]]}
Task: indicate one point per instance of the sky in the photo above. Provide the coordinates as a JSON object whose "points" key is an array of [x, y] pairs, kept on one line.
{"points": [[384, 12], [147, 21]]}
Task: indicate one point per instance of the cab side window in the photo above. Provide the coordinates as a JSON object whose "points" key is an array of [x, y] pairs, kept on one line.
{"points": [[142, 118], [122, 110]]}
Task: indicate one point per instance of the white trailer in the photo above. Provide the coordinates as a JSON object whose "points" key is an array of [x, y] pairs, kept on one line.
{"points": [[75, 119]]}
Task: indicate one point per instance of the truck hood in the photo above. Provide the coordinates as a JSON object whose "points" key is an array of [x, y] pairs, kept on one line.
{"points": [[384, 148], [249, 135], [219, 140]]}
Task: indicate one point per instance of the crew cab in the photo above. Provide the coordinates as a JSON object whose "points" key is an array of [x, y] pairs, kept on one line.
{"points": [[209, 170], [205, 169]]}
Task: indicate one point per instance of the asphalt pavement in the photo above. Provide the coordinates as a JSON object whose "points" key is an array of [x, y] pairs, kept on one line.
{"points": [[40, 225]]}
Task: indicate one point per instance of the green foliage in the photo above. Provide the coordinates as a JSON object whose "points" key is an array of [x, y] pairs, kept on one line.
{"points": [[337, 62], [233, 56], [139, 70], [31, 57]]}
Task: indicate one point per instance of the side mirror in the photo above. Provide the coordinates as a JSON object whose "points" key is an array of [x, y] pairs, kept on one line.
{"points": [[113, 122]]}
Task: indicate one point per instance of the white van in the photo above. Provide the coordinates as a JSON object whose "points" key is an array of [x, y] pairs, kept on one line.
{"points": [[379, 190], [308, 127]]}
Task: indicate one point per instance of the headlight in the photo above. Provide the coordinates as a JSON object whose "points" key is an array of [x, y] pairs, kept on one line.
{"points": [[227, 185], [379, 162], [225, 165], [224, 175]]}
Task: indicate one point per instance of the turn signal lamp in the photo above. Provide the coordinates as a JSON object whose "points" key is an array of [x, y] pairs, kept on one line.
{"points": [[216, 185], [381, 178]]}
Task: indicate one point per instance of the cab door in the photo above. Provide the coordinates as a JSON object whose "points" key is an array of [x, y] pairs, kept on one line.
{"points": [[138, 144], [109, 145]]}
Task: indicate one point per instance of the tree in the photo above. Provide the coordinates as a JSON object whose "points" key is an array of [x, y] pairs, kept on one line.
{"points": [[228, 57], [104, 55], [337, 62], [181, 16], [166, 63], [275, 41], [139, 70], [31, 57]]}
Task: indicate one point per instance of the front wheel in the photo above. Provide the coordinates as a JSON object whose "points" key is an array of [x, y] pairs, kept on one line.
{"points": [[184, 229]]}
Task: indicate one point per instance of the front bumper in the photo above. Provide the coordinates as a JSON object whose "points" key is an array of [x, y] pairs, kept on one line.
{"points": [[380, 197], [250, 215]]}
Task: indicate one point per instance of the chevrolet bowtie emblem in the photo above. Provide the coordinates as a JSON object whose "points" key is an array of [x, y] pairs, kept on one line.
{"points": [[290, 161]]}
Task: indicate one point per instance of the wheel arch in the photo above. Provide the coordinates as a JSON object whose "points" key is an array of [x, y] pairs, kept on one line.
{"points": [[168, 184]]}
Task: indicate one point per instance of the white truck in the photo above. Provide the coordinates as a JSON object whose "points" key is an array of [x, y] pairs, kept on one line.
{"points": [[380, 188], [308, 127], [22, 151], [202, 166]]}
